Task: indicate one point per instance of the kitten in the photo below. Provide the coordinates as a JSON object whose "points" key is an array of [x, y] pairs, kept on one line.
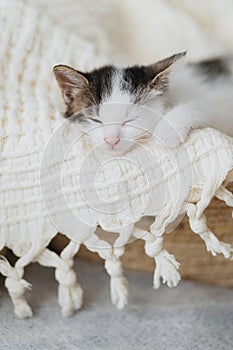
{"points": [[166, 99]]}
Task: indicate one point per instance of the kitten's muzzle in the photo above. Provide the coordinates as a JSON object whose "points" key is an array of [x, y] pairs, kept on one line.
{"points": [[112, 142]]}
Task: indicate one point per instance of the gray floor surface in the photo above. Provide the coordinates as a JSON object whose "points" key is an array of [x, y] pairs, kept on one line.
{"points": [[191, 316]]}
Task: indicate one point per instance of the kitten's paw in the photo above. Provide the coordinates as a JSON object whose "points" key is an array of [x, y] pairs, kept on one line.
{"points": [[168, 135]]}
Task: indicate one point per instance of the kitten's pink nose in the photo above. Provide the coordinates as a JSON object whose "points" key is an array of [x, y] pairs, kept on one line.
{"points": [[112, 142]]}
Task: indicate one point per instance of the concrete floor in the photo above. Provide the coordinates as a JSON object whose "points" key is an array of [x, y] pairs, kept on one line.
{"points": [[191, 316]]}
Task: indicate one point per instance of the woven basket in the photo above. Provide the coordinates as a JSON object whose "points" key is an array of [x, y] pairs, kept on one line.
{"points": [[189, 249]]}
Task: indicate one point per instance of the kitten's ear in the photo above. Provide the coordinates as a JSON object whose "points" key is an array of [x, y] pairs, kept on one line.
{"points": [[161, 70], [70, 81]]}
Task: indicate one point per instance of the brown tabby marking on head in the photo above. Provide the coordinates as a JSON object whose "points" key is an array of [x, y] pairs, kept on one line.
{"points": [[86, 91]]}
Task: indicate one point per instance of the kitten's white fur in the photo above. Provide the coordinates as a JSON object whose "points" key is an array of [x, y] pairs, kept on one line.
{"points": [[176, 98], [122, 118], [190, 102], [195, 103]]}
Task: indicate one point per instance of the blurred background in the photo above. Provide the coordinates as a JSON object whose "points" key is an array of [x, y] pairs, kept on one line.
{"points": [[142, 31], [133, 31]]}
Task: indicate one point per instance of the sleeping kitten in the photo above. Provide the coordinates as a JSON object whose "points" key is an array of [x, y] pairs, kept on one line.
{"points": [[166, 99]]}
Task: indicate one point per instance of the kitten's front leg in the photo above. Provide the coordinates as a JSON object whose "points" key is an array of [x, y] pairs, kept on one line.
{"points": [[173, 129]]}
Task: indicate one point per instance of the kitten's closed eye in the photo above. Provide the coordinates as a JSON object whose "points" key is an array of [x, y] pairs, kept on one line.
{"points": [[96, 120], [82, 117], [127, 121]]}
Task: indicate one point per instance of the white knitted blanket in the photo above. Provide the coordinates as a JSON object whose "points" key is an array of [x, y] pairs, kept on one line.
{"points": [[46, 188]]}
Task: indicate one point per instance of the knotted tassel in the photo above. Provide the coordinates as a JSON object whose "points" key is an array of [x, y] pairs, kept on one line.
{"points": [[16, 286], [199, 226], [118, 283], [166, 264]]}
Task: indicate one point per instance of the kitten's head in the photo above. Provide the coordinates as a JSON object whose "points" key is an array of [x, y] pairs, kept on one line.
{"points": [[114, 104]]}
